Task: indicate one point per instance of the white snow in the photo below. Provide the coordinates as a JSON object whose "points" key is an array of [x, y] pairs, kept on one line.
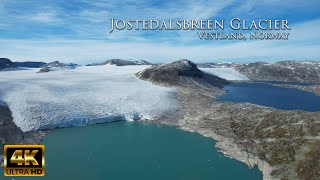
{"points": [[82, 96], [226, 73]]}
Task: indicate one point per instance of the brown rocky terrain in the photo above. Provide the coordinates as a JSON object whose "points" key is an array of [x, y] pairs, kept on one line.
{"points": [[286, 71], [284, 144]]}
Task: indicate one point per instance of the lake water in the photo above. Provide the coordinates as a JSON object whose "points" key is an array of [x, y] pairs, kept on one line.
{"points": [[132, 150], [272, 96]]}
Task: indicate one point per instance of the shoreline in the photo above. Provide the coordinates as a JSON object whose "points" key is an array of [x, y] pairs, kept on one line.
{"points": [[224, 145], [229, 149], [315, 89], [221, 121], [270, 138]]}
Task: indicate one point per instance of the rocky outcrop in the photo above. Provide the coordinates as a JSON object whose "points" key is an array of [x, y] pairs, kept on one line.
{"points": [[43, 70], [288, 71], [11, 134], [180, 73], [56, 65], [120, 62], [6, 63]]}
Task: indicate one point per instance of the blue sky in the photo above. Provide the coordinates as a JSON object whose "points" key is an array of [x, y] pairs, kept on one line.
{"points": [[77, 30]]}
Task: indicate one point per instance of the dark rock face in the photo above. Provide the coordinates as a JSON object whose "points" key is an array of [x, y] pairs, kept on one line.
{"points": [[30, 64], [289, 71], [11, 134], [180, 73], [43, 70], [6, 63], [120, 62]]}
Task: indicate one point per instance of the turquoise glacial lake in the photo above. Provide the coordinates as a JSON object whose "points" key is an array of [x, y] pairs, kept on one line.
{"points": [[136, 151]]}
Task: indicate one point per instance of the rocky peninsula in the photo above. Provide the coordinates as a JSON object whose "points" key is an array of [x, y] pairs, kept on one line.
{"points": [[282, 143]]}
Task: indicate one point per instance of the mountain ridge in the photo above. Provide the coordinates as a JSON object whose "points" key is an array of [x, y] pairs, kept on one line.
{"points": [[180, 73], [120, 62]]}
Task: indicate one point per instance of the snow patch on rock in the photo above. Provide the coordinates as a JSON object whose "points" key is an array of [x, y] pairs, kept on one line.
{"points": [[226, 73]]}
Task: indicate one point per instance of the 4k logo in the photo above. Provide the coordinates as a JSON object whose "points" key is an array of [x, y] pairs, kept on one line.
{"points": [[24, 160]]}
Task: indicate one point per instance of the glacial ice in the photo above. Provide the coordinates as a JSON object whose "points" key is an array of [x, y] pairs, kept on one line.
{"points": [[226, 73], [80, 96]]}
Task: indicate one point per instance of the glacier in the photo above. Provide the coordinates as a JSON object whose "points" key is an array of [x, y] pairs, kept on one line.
{"points": [[226, 73], [85, 95]]}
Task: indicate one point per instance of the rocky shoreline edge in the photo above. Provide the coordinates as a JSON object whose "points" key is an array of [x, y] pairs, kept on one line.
{"points": [[283, 144], [231, 150], [223, 144], [227, 147], [10, 133]]}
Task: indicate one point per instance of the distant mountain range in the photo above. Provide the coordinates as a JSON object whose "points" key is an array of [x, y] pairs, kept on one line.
{"points": [[57, 65], [120, 62], [30, 64], [7, 63], [288, 71]]}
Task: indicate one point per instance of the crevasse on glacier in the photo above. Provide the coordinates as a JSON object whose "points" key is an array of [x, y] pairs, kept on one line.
{"points": [[81, 96]]}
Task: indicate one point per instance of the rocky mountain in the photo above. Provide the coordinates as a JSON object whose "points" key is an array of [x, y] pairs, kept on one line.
{"points": [[289, 71], [286, 71], [56, 65], [217, 65], [120, 62], [6, 63], [180, 73], [30, 64]]}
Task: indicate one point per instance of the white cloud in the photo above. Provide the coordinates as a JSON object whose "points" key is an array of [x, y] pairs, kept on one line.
{"points": [[94, 51], [48, 17], [2, 25], [303, 44], [260, 8], [95, 16], [306, 31], [91, 21]]}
